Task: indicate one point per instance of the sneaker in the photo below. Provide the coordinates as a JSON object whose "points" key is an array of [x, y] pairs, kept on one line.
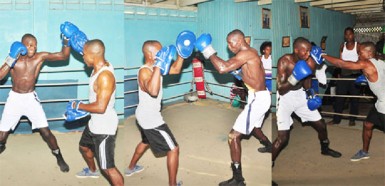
{"points": [[360, 155], [264, 149], [136, 169], [180, 183], [87, 173], [232, 182], [332, 153]]}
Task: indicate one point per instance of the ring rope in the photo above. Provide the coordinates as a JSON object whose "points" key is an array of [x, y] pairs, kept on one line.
{"points": [[55, 84], [71, 70], [347, 96], [340, 114], [57, 119], [63, 100]]}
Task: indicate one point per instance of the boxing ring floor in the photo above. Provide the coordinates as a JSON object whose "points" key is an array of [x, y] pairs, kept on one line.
{"points": [[301, 162], [201, 129]]}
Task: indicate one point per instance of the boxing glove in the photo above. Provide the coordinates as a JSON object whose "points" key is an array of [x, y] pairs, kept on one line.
{"points": [[313, 101], [203, 44], [16, 49], [185, 43], [361, 80], [316, 53], [67, 29], [77, 41], [164, 58], [301, 70], [237, 74], [73, 112]]}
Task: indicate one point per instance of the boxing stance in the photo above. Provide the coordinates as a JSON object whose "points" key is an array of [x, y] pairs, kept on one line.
{"points": [[24, 64], [374, 75], [252, 73], [99, 136], [295, 95], [154, 131]]}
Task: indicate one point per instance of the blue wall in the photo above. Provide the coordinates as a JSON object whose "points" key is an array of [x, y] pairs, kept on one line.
{"points": [[101, 19]]}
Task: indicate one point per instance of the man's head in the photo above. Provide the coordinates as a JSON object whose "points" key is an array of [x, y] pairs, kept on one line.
{"points": [[30, 42], [302, 48], [266, 48], [235, 40], [349, 34], [367, 50], [93, 52], [150, 48]]}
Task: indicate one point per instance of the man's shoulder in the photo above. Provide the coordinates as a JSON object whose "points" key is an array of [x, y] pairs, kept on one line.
{"points": [[285, 58]]}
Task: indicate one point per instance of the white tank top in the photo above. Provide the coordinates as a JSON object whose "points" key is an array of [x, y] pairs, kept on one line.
{"points": [[267, 64], [378, 87], [349, 55], [106, 123], [148, 111]]}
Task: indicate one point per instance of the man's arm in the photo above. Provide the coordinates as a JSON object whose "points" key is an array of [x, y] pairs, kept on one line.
{"points": [[57, 56], [283, 86], [226, 66], [176, 67], [359, 65], [4, 70], [105, 87], [150, 81], [341, 49]]}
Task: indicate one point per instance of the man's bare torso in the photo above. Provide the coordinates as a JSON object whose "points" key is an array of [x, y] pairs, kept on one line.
{"points": [[25, 73]]}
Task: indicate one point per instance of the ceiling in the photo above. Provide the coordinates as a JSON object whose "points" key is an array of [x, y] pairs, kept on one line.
{"points": [[366, 11]]}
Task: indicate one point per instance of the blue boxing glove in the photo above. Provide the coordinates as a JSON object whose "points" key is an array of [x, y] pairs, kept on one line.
{"points": [[77, 41], [301, 70], [237, 74], [361, 80], [185, 43], [203, 44], [73, 112], [313, 101], [316, 53], [164, 58], [16, 49], [68, 29]]}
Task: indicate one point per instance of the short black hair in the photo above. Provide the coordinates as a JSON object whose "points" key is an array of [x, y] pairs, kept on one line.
{"points": [[25, 36], [300, 40], [264, 45], [349, 29], [236, 32]]}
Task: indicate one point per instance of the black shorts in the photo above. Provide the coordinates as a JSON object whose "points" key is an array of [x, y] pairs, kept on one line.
{"points": [[102, 145], [160, 139], [378, 119]]}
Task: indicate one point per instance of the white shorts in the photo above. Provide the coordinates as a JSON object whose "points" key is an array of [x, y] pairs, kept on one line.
{"points": [[19, 105], [258, 103], [294, 101]]}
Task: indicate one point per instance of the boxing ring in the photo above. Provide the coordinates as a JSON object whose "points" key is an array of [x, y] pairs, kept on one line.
{"points": [[200, 128]]}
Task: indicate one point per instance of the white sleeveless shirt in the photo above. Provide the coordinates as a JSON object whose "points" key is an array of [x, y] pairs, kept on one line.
{"points": [[378, 87], [148, 111], [106, 123], [349, 55], [267, 64]]}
